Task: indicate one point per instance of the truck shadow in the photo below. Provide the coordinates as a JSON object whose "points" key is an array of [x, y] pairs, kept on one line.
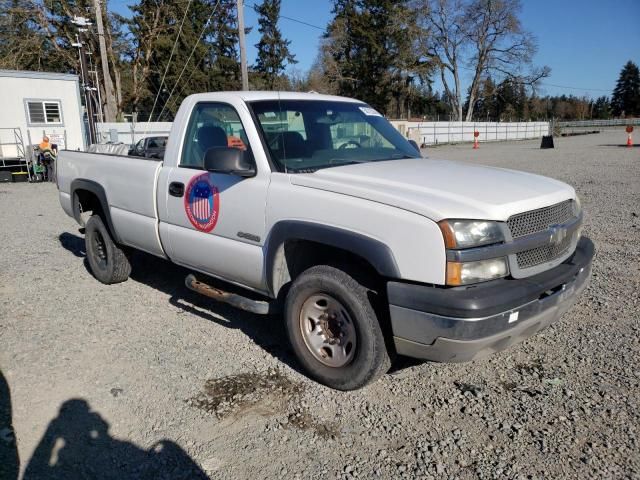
{"points": [[77, 444], [266, 331]]}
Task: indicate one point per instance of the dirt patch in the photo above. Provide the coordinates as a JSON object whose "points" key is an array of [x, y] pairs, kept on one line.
{"points": [[264, 392], [302, 420]]}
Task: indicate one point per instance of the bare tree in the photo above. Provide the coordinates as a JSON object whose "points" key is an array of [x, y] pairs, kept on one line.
{"points": [[445, 41], [482, 36]]}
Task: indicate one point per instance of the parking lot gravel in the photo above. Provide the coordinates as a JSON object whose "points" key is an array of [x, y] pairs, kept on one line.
{"points": [[145, 379]]}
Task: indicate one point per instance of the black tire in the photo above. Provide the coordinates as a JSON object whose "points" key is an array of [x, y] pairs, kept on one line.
{"points": [[370, 359], [108, 261]]}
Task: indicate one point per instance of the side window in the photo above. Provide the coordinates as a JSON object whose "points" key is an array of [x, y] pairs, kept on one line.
{"points": [[212, 125]]}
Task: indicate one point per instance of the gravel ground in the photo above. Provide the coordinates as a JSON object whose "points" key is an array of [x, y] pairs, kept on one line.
{"points": [[147, 380]]}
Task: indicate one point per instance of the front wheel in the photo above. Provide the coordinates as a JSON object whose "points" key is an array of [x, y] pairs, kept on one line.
{"points": [[334, 330], [108, 261]]}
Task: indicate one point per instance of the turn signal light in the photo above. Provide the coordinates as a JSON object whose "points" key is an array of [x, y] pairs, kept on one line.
{"points": [[464, 273]]}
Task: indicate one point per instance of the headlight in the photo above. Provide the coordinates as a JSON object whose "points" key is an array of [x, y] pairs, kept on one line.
{"points": [[473, 272], [470, 233]]}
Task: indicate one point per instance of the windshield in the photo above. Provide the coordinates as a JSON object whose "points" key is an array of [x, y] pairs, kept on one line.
{"points": [[306, 135]]}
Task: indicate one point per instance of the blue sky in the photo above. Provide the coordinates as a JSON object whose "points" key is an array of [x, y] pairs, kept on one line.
{"points": [[585, 43]]}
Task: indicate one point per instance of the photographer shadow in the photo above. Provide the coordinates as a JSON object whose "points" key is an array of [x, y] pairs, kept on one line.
{"points": [[77, 444], [9, 461]]}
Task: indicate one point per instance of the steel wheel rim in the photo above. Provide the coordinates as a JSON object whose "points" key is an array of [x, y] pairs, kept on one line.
{"points": [[100, 250], [328, 330]]}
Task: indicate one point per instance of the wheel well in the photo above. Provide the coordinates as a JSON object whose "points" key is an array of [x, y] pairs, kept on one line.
{"points": [[86, 201], [295, 256]]}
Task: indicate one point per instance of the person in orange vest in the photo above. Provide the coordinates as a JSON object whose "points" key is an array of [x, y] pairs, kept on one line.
{"points": [[47, 157]]}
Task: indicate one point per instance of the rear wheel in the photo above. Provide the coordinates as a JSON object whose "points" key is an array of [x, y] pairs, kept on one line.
{"points": [[108, 261], [334, 330]]}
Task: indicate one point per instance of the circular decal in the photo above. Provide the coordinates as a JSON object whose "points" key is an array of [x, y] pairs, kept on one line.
{"points": [[201, 203]]}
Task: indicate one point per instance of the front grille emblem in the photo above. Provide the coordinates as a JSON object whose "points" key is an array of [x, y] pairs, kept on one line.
{"points": [[557, 234]]}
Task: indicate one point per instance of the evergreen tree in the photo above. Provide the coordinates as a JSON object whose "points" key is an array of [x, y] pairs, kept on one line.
{"points": [[626, 96], [511, 101], [370, 53], [273, 50], [165, 33], [36, 35], [602, 108], [224, 73], [486, 103]]}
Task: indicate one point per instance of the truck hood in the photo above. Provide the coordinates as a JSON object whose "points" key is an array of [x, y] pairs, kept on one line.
{"points": [[440, 189]]}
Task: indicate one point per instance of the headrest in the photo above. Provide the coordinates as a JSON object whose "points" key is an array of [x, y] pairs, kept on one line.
{"points": [[211, 136]]}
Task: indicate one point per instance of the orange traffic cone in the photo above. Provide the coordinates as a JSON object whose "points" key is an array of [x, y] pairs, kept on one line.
{"points": [[629, 142], [476, 134]]}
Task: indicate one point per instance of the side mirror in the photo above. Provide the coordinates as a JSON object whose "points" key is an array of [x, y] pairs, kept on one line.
{"points": [[228, 160], [415, 145]]}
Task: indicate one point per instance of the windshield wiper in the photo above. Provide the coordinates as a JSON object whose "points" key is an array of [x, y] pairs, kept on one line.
{"points": [[342, 164]]}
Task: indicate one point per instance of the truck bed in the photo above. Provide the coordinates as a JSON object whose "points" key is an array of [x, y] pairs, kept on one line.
{"points": [[129, 184]]}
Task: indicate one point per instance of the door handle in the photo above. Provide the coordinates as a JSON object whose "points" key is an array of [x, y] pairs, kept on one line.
{"points": [[176, 189]]}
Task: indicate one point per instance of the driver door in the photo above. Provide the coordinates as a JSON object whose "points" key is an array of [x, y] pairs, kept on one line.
{"points": [[215, 222]]}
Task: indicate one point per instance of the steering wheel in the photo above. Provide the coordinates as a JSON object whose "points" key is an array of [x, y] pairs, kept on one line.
{"points": [[350, 142]]}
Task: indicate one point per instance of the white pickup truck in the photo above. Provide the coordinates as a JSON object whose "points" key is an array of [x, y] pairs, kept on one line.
{"points": [[317, 205]]}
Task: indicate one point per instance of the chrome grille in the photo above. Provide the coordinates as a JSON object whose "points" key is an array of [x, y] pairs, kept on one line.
{"points": [[545, 253], [541, 219]]}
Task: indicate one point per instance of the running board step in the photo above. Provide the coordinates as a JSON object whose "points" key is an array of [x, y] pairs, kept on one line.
{"points": [[238, 301]]}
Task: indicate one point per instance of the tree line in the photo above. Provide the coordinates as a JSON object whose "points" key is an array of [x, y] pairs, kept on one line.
{"points": [[388, 53], [162, 52]]}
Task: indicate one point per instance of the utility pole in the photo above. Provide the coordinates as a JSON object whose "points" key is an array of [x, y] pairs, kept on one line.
{"points": [[243, 50], [93, 70], [110, 110], [82, 23]]}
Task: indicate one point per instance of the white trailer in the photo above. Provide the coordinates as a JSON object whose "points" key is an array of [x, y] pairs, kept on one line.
{"points": [[36, 104]]}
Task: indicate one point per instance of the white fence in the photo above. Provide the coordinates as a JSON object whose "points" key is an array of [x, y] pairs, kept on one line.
{"points": [[130, 133], [616, 122], [427, 133], [431, 133]]}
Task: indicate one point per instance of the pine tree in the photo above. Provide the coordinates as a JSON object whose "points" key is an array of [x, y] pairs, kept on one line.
{"points": [[485, 108], [224, 73], [602, 108], [370, 53], [626, 96], [273, 50], [511, 101]]}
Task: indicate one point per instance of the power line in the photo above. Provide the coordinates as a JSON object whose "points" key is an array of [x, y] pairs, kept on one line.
{"points": [[575, 88], [544, 84], [204, 28], [170, 57], [254, 7]]}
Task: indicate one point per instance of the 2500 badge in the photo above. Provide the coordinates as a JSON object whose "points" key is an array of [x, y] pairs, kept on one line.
{"points": [[202, 203]]}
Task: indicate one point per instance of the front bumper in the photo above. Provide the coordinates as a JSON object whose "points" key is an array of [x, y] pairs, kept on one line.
{"points": [[464, 323]]}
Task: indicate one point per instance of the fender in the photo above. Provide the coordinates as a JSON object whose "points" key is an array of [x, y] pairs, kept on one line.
{"points": [[98, 191], [373, 251]]}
